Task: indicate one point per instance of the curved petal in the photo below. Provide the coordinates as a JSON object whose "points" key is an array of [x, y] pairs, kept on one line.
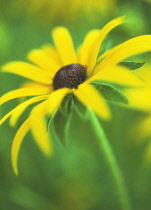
{"points": [[27, 70], [40, 58], [56, 98], [39, 129], [23, 92], [17, 143], [84, 51], [64, 45], [20, 109], [129, 48], [118, 75], [91, 98], [98, 41], [38, 124], [17, 111]]}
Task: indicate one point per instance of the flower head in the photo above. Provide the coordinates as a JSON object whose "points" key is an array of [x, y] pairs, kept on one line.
{"points": [[59, 71]]}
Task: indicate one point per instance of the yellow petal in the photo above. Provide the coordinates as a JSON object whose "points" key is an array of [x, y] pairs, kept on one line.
{"points": [[118, 75], [27, 70], [20, 108], [98, 41], [84, 51], [36, 85], [56, 98], [139, 98], [23, 92], [92, 99], [52, 52], [39, 128], [144, 73], [17, 111], [17, 143], [129, 48], [64, 45], [40, 58], [143, 128]]}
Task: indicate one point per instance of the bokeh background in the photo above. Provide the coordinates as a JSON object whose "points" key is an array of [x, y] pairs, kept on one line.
{"points": [[77, 176]]}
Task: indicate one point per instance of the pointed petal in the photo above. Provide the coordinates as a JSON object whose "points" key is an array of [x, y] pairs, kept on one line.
{"points": [[90, 97], [39, 128], [17, 111], [38, 124], [44, 61], [17, 143], [118, 75], [23, 92], [129, 48], [21, 108], [98, 41], [64, 45], [84, 51], [27, 70]]}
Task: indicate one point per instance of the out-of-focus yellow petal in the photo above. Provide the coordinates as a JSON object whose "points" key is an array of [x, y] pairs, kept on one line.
{"points": [[40, 58], [23, 92], [53, 53], [118, 75], [97, 43], [147, 154], [17, 111], [64, 45], [56, 98], [92, 99], [39, 128], [144, 128], [139, 98], [144, 73], [17, 143], [84, 51], [27, 70], [129, 48]]}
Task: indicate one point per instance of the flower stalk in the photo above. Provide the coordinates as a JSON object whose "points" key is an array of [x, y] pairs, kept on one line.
{"points": [[112, 165]]}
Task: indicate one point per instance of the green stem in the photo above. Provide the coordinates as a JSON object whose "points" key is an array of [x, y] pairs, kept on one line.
{"points": [[112, 164]]}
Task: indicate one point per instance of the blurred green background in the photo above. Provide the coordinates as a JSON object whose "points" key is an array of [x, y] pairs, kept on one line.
{"points": [[77, 177]]}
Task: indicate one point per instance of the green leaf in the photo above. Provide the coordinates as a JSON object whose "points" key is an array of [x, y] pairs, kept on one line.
{"points": [[65, 107], [110, 92], [60, 121], [79, 107], [132, 65]]}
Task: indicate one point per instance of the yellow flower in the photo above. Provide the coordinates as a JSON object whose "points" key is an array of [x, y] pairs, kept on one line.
{"points": [[59, 71]]}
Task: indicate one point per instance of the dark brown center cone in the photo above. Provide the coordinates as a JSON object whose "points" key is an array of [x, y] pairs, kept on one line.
{"points": [[69, 76]]}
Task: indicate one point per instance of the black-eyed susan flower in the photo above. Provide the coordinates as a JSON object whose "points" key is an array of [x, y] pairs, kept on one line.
{"points": [[59, 71]]}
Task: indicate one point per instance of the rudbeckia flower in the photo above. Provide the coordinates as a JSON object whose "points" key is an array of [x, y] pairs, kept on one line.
{"points": [[59, 71]]}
